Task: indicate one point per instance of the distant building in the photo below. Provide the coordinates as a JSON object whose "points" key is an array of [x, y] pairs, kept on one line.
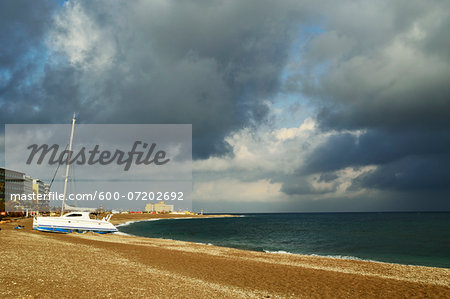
{"points": [[13, 183], [39, 194], [16, 182], [28, 189], [27, 184], [47, 190], [161, 207], [38, 188], [46, 203], [41, 191]]}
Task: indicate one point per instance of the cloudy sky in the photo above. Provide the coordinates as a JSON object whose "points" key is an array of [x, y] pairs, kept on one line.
{"points": [[295, 105]]}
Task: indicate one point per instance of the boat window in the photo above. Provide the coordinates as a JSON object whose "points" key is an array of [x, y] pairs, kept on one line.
{"points": [[74, 215]]}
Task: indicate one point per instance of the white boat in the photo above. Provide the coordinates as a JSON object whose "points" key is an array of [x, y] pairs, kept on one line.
{"points": [[74, 222]]}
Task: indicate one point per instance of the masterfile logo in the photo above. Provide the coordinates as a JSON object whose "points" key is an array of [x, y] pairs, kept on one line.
{"points": [[121, 167], [145, 156]]}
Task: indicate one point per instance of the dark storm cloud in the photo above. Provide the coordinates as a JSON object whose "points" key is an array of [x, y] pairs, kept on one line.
{"points": [[409, 174], [327, 177], [406, 161], [385, 73], [387, 67], [212, 64], [376, 147], [298, 185], [23, 25]]}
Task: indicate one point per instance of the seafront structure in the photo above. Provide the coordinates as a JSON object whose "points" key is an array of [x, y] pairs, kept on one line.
{"points": [[27, 189], [39, 189], [160, 207], [27, 184], [13, 183], [16, 182]]}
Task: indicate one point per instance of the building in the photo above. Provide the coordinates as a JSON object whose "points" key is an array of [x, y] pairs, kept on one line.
{"points": [[16, 182], [27, 184], [161, 207], [47, 198], [42, 203], [13, 183], [28, 189], [47, 190]]}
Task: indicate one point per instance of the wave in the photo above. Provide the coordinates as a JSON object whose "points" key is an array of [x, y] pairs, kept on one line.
{"points": [[278, 252], [199, 243], [134, 221], [123, 234], [340, 257], [346, 257]]}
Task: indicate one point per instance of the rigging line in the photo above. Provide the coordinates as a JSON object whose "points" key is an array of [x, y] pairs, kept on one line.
{"points": [[72, 179], [72, 171], [59, 164]]}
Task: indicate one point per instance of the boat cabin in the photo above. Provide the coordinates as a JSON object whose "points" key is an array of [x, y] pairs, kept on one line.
{"points": [[78, 215]]}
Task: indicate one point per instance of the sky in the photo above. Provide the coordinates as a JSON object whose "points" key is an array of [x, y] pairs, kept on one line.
{"points": [[295, 106]]}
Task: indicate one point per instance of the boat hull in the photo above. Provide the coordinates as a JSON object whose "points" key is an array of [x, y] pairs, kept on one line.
{"points": [[61, 225]]}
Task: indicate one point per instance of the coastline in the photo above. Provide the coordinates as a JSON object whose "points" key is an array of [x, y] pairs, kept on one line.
{"points": [[125, 219], [49, 265]]}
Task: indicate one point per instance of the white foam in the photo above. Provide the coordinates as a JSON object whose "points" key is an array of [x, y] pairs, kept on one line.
{"points": [[134, 221], [123, 234], [278, 252], [340, 257], [200, 243], [345, 257]]}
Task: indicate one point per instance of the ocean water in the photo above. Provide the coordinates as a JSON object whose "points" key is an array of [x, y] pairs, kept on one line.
{"points": [[404, 238]]}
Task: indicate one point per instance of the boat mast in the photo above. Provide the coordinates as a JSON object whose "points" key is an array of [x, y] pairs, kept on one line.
{"points": [[66, 178]]}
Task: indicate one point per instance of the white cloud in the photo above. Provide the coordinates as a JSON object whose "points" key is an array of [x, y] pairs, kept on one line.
{"points": [[264, 160], [81, 40], [346, 175], [280, 150], [305, 128]]}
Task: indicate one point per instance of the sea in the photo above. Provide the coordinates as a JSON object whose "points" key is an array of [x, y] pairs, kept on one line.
{"points": [[404, 238]]}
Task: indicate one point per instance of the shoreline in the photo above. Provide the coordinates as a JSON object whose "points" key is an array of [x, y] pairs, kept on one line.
{"points": [[53, 265], [120, 219], [125, 222]]}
